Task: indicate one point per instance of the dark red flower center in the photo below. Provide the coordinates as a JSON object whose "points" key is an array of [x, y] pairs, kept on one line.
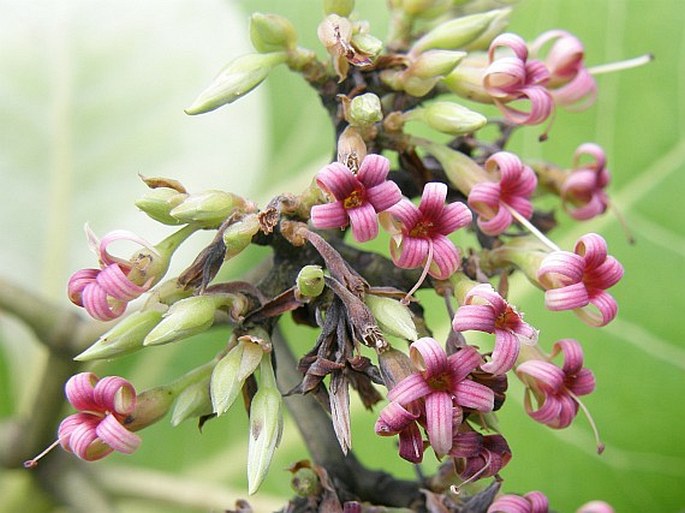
{"points": [[354, 200], [423, 229]]}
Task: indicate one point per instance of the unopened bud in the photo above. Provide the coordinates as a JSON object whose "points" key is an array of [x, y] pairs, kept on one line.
{"points": [[239, 235], [452, 118], [392, 316], [462, 171], [271, 33], [266, 426], [457, 33], [435, 63], [496, 27], [394, 366], [351, 148], [310, 281], [467, 80], [124, 338], [305, 482], [237, 79], [425, 8], [367, 44], [364, 110], [192, 402], [208, 208], [185, 318], [340, 7], [151, 406], [230, 374], [157, 203]]}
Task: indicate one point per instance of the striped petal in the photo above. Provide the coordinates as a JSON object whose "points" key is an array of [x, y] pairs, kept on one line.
{"points": [[439, 422], [384, 195], [410, 389], [504, 354], [470, 394], [111, 432], [373, 170], [433, 200], [428, 357], [446, 258], [474, 317], [454, 216], [329, 215], [115, 394], [337, 180], [567, 298], [364, 222]]}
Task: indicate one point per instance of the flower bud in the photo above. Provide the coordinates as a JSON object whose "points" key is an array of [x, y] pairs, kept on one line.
{"points": [[239, 235], [271, 33], [266, 426], [393, 317], [157, 203], [124, 338], [192, 402], [340, 7], [435, 63], [310, 281], [187, 317], [305, 482], [425, 8], [237, 79], [467, 80], [457, 33], [364, 110], [209, 208], [151, 406], [351, 148], [367, 44], [496, 27], [394, 366], [461, 170], [230, 373], [451, 118]]}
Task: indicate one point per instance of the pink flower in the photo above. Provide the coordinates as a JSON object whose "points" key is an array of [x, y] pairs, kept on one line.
{"points": [[556, 390], [595, 507], [420, 233], [483, 455], [570, 81], [516, 77], [98, 428], [105, 292], [493, 201], [532, 502], [358, 197], [441, 384], [395, 419], [582, 192], [485, 310], [576, 280]]}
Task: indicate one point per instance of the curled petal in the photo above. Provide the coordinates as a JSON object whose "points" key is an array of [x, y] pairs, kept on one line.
{"points": [[85, 443], [364, 222], [467, 445], [573, 355], [446, 258], [581, 92], [511, 41], [97, 305], [473, 395], [439, 422], [484, 198], [433, 200], [69, 424], [337, 180], [544, 373], [393, 419], [509, 504], [330, 215], [474, 317], [601, 310], [406, 213], [384, 195], [485, 292], [411, 444], [540, 108], [463, 362], [496, 224], [593, 249], [428, 357], [595, 507], [413, 252], [80, 391], [605, 275], [454, 216], [560, 268], [596, 205], [116, 284], [583, 383], [111, 432], [538, 502], [504, 77], [115, 394], [373, 170], [547, 413], [567, 298], [113, 236], [504, 354], [409, 389], [595, 152], [78, 281]]}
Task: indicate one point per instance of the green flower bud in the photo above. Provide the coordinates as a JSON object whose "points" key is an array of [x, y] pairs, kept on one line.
{"points": [[425, 8], [151, 406], [467, 80], [305, 482], [496, 27], [457, 33], [187, 317], [124, 338], [435, 63], [462, 171], [310, 281], [364, 110], [340, 7], [209, 208], [230, 373], [367, 44], [418, 86], [237, 79], [452, 118], [266, 426], [239, 235], [192, 402], [271, 33], [393, 317], [157, 203]]}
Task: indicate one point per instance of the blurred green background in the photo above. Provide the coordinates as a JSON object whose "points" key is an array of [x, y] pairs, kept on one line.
{"points": [[92, 94]]}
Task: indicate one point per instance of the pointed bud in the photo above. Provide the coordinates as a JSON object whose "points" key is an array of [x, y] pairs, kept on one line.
{"points": [[230, 373], [237, 79], [124, 338], [448, 118], [310, 281], [192, 402], [151, 406], [210, 208], [239, 235], [467, 80], [462, 171], [266, 426], [394, 366], [271, 33], [364, 110], [351, 148], [457, 33], [425, 8], [393, 317], [340, 7], [435, 63], [157, 203], [496, 27], [187, 317]]}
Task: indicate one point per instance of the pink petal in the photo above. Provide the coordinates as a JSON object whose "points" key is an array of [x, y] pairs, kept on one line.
{"points": [[601, 310], [115, 394], [439, 422], [467, 445], [509, 504], [582, 90], [538, 502], [411, 444], [567, 298], [107, 259], [583, 383], [573, 355], [567, 412], [470, 394], [454, 216], [484, 198], [548, 413], [96, 304], [428, 357], [605, 275], [78, 281], [504, 77], [489, 294], [597, 205], [463, 362], [329, 215], [413, 252], [593, 249], [85, 443], [117, 436], [373, 170], [595, 507], [80, 391], [69, 424], [433, 200], [393, 419], [544, 373], [446, 258], [474, 317], [406, 213], [384, 195], [595, 151], [364, 222], [504, 354], [540, 108], [116, 284], [410, 389], [497, 224], [560, 268], [337, 180]]}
